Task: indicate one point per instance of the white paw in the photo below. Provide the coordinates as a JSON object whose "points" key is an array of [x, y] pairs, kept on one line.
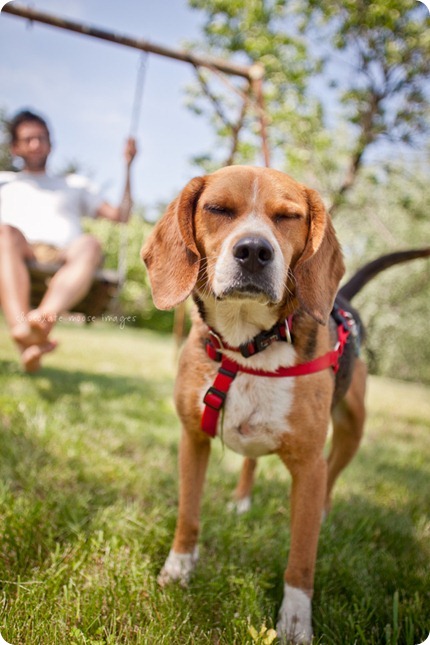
{"points": [[295, 617], [178, 567], [240, 506]]}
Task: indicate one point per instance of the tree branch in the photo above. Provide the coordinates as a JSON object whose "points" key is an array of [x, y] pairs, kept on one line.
{"points": [[214, 100], [367, 136]]}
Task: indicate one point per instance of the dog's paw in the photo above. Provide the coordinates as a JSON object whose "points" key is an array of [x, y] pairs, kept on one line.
{"points": [[239, 506], [178, 568], [295, 617]]}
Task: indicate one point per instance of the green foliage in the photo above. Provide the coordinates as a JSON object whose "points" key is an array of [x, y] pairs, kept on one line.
{"points": [[381, 80], [135, 297], [387, 45], [88, 487], [6, 160], [394, 306], [263, 32], [395, 311]]}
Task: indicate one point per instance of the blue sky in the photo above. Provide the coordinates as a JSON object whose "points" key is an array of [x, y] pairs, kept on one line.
{"points": [[85, 87]]}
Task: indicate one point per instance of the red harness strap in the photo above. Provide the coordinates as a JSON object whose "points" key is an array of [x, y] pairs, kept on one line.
{"points": [[216, 395]]}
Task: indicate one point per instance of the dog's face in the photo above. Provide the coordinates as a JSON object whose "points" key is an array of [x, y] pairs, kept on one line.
{"points": [[250, 229], [246, 233]]}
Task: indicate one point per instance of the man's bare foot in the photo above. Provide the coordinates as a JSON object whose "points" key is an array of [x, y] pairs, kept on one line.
{"points": [[41, 323], [24, 335], [31, 356], [34, 330]]}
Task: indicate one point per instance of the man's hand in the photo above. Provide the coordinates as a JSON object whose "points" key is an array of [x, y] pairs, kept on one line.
{"points": [[130, 151], [121, 213]]}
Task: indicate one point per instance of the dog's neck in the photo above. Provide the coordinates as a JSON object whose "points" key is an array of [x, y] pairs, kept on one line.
{"points": [[238, 321]]}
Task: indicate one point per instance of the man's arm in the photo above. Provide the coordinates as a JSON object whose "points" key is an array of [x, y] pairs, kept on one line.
{"points": [[121, 213]]}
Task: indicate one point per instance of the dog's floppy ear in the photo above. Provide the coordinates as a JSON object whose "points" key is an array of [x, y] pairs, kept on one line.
{"points": [[170, 252], [320, 267]]}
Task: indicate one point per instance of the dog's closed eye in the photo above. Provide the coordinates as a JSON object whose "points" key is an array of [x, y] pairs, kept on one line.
{"points": [[284, 216], [219, 209]]}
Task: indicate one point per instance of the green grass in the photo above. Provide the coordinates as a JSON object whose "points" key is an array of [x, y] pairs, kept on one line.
{"points": [[88, 491]]}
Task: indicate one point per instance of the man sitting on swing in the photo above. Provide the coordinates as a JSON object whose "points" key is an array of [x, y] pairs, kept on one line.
{"points": [[40, 219]]}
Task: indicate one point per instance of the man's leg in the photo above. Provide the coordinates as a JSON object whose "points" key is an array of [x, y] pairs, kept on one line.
{"points": [[71, 282], [66, 288], [14, 277], [15, 296]]}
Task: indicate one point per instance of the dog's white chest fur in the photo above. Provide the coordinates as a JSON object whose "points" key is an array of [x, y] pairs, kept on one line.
{"points": [[256, 414]]}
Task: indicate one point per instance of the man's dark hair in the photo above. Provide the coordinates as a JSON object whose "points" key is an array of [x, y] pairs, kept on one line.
{"points": [[24, 116]]}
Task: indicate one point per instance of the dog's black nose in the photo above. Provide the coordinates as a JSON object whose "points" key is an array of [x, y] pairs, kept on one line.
{"points": [[253, 253]]}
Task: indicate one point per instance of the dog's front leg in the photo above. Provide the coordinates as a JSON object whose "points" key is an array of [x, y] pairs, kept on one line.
{"points": [[307, 501], [193, 459]]}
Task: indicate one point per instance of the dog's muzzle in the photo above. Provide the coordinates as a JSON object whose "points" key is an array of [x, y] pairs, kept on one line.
{"points": [[253, 275]]}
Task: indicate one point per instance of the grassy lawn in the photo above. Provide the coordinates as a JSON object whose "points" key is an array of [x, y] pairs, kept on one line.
{"points": [[88, 492]]}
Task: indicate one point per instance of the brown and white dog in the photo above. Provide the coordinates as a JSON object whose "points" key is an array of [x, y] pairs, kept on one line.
{"points": [[255, 248]]}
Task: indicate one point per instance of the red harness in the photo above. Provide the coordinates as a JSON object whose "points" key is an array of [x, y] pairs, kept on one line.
{"points": [[216, 395]]}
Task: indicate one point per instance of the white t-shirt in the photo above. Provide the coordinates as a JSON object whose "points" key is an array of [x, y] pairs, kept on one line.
{"points": [[46, 208]]}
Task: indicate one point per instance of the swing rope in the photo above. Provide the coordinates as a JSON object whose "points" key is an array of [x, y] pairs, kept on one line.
{"points": [[134, 126], [138, 94]]}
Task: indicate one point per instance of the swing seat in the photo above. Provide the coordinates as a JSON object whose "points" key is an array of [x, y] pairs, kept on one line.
{"points": [[104, 289]]}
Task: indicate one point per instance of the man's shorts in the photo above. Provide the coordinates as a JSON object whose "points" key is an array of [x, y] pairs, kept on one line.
{"points": [[47, 254]]}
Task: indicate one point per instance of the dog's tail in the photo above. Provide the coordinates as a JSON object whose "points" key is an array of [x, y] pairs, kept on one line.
{"points": [[370, 270]]}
